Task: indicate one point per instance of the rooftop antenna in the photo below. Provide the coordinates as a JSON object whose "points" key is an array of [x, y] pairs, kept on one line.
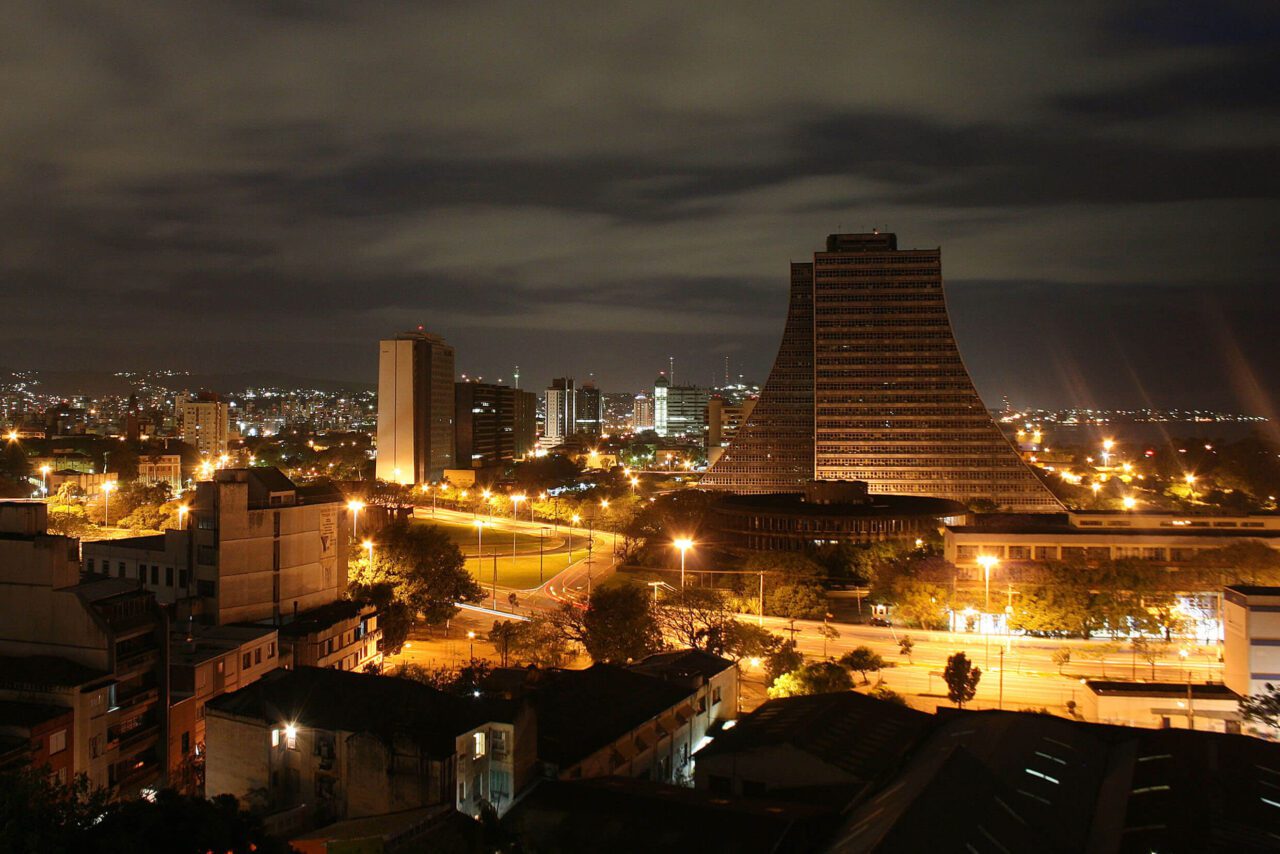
{"points": [[726, 370], [671, 376], [517, 376]]}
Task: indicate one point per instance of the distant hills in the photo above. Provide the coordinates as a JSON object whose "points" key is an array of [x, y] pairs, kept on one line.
{"points": [[98, 383]]}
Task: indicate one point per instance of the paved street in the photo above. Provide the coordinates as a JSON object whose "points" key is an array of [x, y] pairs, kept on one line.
{"points": [[1031, 679]]}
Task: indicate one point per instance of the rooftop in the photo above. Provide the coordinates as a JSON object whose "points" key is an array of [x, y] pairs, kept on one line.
{"points": [[150, 543], [1202, 690], [318, 619], [793, 503], [20, 714], [46, 670], [860, 735], [682, 664], [383, 705]]}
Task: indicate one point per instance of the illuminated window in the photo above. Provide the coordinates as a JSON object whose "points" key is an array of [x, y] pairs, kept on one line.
{"points": [[479, 745], [275, 738], [58, 742]]}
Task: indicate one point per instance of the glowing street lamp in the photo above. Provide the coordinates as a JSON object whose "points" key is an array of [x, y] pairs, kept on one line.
{"points": [[471, 636], [106, 502], [368, 547], [355, 507], [1129, 502], [683, 544], [987, 562], [516, 501], [44, 476], [12, 436], [183, 510]]}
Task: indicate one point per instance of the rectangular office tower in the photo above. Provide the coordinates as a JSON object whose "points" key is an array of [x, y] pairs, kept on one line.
{"points": [[495, 424], [869, 385], [415, 408]]}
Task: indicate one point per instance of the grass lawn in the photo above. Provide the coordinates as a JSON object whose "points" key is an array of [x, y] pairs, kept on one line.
{"points": [[522, 573]]}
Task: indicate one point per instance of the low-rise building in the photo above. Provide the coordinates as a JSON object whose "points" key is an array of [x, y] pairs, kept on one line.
{"points": [[95, 646], [343, 635], [207, 662], [606, 720], [1251, 649], [255, 547], [161, 468], [349, 745], [37, 735], [1207, 706]]}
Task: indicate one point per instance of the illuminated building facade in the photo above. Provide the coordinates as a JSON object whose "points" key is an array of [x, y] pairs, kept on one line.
{"points": [[415, 408], [869, 386]]}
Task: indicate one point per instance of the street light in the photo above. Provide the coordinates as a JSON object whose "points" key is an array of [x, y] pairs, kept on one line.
{"points": [[480, 523], [368, 547], [987, 562], [106, 502], [44, 475], [183, 510], [355, 507], [1129, 502], [471, 636], [683, 544]]}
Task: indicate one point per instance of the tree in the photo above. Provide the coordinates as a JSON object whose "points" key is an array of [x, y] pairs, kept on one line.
{"points": [[538, 642], [922, 603], [801, 601], [39, 814], [696, 618], [1062, 657], [783, 660], [888, 695], [820, 677], [863, 660], [1060, 609], [464, 681], [779, 568], [1263, 708], [618, 625], [961, 678], [745, 640], [14, 465], [905, 646], [424, 568]]}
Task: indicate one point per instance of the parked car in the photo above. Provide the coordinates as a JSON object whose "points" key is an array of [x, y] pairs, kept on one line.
{"points": [[880, 621]]}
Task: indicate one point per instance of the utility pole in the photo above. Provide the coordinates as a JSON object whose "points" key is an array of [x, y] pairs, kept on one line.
{"points": [[1000, 705]]}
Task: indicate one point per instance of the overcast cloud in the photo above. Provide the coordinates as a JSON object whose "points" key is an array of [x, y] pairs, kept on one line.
{"points": [[591, 187]]}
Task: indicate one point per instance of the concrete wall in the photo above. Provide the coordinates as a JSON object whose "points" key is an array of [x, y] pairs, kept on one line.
{"points": [[238, 758]]}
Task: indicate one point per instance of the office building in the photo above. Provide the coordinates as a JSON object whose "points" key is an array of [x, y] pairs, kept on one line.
{"points": [[415, 408], [161, 468], [868, 385], [642, 413], [660, 387], [95, 647], [590, 410], [724, 419], [562, 411], [204, 422], [494, 424], [255, 547]]}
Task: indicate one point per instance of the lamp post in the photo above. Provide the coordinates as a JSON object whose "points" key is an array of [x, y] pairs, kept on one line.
{"points": [[987, 562], [183, 510], [574, 520], [480, 523], [471, 636], [683, 544], [355, 507], [106, 502], [44, 476], [542, 541]]}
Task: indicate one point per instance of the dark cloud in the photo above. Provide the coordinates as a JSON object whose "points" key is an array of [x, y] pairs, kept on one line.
{"points": [[581, 187]]}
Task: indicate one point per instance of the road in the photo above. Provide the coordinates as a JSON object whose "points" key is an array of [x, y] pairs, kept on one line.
{"points": [[1031, 678]]}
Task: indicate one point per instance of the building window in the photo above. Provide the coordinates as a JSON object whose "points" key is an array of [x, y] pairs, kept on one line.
{"points": [[57, 742], [89, 566], [479, 745], [715, 695], [257, 655], [246, 661], [168, 576], [275, 738], [155, 576], [120, 569], [271, 650], [186, 743]]}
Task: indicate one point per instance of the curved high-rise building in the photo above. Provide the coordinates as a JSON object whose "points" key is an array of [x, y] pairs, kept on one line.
{"points": [[869, 385]]}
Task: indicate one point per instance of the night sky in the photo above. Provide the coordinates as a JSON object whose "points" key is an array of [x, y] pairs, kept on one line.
{"points": [[589, 187]]}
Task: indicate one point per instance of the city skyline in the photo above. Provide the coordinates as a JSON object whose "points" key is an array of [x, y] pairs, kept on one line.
{"points": [[211, 214]]}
